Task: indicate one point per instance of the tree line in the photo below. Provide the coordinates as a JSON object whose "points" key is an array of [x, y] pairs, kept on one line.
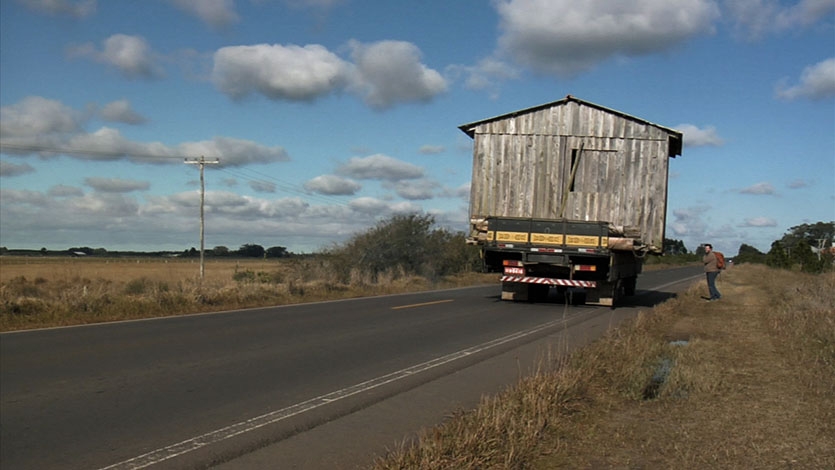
{"points": [[807, 247]]}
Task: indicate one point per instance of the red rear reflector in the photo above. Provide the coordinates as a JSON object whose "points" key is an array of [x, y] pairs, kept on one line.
{"points": [[585, 267], [511, 262]]}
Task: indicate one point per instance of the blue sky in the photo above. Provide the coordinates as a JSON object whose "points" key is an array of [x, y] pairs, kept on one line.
{"points": [[328, 115]]}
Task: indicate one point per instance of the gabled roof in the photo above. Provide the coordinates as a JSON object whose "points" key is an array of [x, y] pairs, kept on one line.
{"points": [[676, 143]]}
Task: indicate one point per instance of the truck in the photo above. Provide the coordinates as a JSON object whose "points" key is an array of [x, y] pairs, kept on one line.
{"points": [[569, 196]]}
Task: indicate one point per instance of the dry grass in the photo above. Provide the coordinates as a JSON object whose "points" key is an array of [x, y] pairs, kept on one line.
{"points": [[44, 292], [753, 387]]}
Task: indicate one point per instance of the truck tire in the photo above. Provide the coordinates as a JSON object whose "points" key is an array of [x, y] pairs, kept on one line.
{"points": [[629, 285]]}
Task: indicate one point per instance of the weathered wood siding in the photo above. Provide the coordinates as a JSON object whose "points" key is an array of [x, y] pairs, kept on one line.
{"points": [[522, 168]]}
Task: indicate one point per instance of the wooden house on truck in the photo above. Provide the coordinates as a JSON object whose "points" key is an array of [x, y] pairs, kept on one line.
{"points": [[569, 194]]}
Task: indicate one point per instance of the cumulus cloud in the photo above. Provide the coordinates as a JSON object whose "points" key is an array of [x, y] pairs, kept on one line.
{"points": [[689, 221], [384, 73], [278, 72], [130, 55], [216, 13], [75, 9], [431, 149], [47, 128], [759, 222], [379, 167], [759, 189], [262, 186], [121, 111], [373, 207], [700, 137], [14, 169], [414, 190], [390, 72], [62, 190], [332, 185], [755, 18], [116, 185], [816, 82], [37, 116], [566, 37], [487, 74]]}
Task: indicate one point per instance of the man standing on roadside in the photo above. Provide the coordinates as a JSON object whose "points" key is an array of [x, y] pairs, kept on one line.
{"points": [[711, 271]]}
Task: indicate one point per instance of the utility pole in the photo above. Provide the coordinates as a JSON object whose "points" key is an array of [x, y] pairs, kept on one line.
{"points": [[202, 162]]}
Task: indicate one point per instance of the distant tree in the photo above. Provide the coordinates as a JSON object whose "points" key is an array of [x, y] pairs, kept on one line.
{"points": [[3, 250], [811, 233], [251, 251], [44, 251], [191, 253], [220, 250], [749, 254], [700, 251], [802, 254], [277, 252], [777, 256], [674, 247]]}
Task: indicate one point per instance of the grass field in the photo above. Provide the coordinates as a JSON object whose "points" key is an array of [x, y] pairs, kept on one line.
{"points": [[749, 382], [37, 292]]}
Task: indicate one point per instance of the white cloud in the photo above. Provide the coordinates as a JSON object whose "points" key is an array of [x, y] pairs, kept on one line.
{"points": [[385, 72], [380, 167], [130, 55], [700, 137], [62, 190], [14, 169], [116, 185], [278, 72], [45, 127], [262, 186], [121, 111], [216, 13], [390, 72], [431, 149], [817, 82], [332, 185], [755, 18], [759, 222], [76, 9], [566, 37], [799, 183], [414, 190], [759, 189], [487, 74], [37, 116]]}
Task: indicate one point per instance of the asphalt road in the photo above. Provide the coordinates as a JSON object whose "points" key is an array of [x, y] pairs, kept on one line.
{"points": [[319, 385]]}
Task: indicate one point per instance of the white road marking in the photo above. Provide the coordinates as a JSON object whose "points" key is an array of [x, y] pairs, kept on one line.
{"points": [[180, 448], [424, 304]]}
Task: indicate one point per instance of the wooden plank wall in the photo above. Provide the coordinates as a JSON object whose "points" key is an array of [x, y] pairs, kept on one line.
{"points": [[521, 166]]}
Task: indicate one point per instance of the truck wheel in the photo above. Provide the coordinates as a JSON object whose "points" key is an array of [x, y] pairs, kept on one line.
{"points": [[629, 285]]}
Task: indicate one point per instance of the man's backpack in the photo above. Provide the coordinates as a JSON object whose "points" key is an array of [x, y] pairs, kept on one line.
{"points": [[720, 260]]}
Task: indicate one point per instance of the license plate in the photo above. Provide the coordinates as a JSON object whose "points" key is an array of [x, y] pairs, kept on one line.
{"points": [[514, 271]]}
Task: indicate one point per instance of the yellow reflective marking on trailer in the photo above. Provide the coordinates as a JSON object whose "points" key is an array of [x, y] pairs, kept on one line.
{"points": [[582, 240], [547, 238], [518, 237]]}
